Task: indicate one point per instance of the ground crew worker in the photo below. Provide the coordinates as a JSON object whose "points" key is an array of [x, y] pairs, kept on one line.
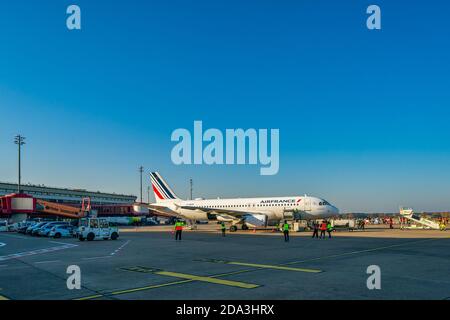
{"points": [[286, 231], [222, 225], [329, 229], [178, 229], [362, 224], [323, 228], [315, 229]]}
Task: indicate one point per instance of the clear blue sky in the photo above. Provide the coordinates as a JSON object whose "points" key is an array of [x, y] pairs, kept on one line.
{"points": [[363, 115]]}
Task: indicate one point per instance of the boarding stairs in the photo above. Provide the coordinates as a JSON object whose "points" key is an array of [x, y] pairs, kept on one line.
{"points": [[409, 214]]}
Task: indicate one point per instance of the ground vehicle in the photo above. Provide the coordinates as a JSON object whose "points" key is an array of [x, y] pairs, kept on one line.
{"points": [[3, 226], [96, 229], [59, 231], [45, 230], [6, 227], [31, 228], [150, 222], [22, 228], [37, 229]]}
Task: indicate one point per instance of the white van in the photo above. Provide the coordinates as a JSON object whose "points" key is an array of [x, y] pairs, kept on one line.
{"points": [[96, 229]]}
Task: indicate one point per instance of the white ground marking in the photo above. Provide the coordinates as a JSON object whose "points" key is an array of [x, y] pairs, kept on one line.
{"points": [[64, 243], [35, 252], [120, 248], [2, 244], [50, 261], [93, 258]]}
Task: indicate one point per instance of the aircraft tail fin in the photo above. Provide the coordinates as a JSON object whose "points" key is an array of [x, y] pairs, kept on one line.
{"points": [[161, 189]]}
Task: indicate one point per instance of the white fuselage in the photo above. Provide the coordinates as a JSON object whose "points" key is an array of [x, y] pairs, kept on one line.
{"points": [[274, 208]]}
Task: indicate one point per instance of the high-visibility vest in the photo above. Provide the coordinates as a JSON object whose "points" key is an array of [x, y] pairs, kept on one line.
{"points": [[179, 226], [323, 226], [286, 227], [329, 227], [223, 226]]}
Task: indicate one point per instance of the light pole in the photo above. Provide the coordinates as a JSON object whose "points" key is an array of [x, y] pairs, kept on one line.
{"points": [[191, 185], [148, 194], [141, 170], [20, 141]]}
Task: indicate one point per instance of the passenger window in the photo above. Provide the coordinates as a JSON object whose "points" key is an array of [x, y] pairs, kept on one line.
{"points": [[94, 223], [103, 224]]}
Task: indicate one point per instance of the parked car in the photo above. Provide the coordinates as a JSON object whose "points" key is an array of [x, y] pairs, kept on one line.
{"points": [[37, 229], [3, 226], [22, 228], [31, 228], [60, 231], [45, 229], [150, 222]]}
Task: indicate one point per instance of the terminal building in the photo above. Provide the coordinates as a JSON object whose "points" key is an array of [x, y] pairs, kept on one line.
{"points": [[67, 196]]}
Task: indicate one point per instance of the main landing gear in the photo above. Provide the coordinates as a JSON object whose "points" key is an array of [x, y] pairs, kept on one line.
{"points": [[234, 228]]}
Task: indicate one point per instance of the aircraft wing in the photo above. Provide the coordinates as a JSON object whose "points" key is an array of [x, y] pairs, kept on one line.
{"points": [[160, 211], [216, 211]]}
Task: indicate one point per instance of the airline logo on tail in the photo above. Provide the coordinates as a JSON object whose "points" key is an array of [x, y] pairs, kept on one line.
{"points": [[161, 188]]}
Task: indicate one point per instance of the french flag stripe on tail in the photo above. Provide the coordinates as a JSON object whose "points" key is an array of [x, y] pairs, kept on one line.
{"points": [[157, 193], [162, 190], [164, 185], [157, 189]]}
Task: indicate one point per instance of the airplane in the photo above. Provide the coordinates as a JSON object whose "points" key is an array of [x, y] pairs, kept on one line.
{"points": [[253, 212]]}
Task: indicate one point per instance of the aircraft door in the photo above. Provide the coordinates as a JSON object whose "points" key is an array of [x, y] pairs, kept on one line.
{"points": [[307, 204]]}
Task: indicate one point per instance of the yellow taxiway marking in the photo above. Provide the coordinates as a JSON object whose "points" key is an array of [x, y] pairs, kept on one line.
{"points": [[90, 297], [208, 279], [246, 270], [267, 266], [150, 287], [3, 298], [115, 293]]}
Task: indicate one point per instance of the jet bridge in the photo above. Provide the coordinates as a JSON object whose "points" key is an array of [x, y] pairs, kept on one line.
{"points": [[409, 214]]}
